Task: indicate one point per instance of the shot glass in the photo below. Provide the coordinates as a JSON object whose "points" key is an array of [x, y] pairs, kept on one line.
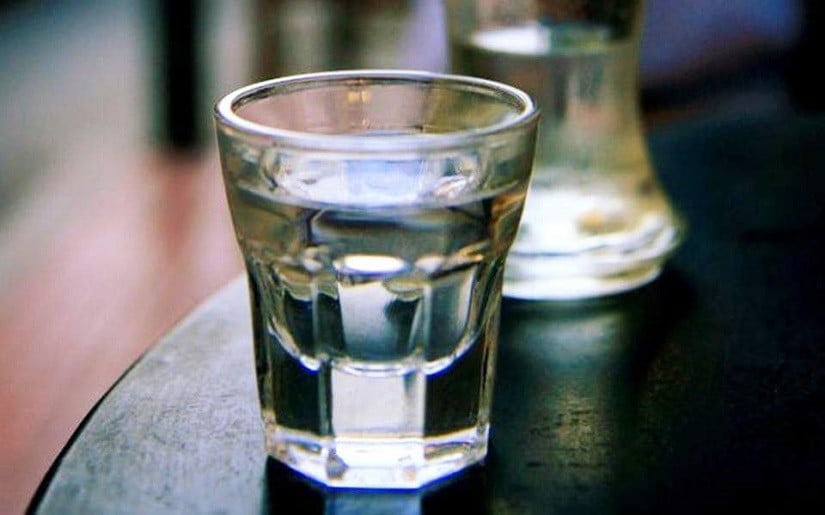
{"points": [[374, 210], [597, 221]]}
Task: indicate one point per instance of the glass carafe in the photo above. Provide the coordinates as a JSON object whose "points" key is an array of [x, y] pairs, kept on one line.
{"points": [[597, 220]]}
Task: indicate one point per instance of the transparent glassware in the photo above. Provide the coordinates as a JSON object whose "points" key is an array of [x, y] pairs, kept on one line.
{"points": [[374, 210], [596, 221]]}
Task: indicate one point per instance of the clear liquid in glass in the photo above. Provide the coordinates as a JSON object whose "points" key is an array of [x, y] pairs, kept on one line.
{"points": [[596, 220], [375, 365]]}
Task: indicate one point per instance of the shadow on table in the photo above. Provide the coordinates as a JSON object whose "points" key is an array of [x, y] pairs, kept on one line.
{"points": [[576, 384]]}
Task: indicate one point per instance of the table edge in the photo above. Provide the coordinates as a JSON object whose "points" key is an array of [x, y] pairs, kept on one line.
{"points": [[44, 484]]}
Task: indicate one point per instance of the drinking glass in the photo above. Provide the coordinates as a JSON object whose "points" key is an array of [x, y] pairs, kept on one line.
{"points": [[374, 210], [597, 220]]}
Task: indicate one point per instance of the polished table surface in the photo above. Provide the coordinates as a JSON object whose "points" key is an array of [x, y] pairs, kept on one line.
{"points": [[703, 391]]}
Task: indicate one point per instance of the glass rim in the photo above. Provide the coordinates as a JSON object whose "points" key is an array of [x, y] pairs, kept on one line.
{"points": [[226, 116]]}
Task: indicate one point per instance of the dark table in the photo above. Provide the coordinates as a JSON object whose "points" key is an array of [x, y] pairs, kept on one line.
{"points": [[701, 392]]}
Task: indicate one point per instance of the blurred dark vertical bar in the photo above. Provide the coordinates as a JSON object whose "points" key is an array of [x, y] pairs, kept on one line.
{"points": [[345, 32], [178, 98], [805, 80]]}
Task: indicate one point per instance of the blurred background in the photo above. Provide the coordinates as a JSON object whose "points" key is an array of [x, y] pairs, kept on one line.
{"points": [[113, 222]]}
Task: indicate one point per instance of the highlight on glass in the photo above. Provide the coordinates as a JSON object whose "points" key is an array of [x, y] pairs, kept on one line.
{"points": [[374, 210]]}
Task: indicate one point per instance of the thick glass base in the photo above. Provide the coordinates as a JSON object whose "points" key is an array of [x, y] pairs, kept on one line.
{"points": [[605, 271], [397, 463]]}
